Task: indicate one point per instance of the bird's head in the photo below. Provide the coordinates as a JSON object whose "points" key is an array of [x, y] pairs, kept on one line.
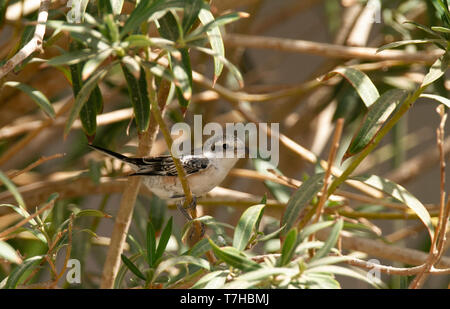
{"points": [[226, 147]]}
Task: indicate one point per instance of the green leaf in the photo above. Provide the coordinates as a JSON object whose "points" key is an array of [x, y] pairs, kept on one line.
{"points": [[144, 11], [300, 199], [437, 70], [200, 248], [17, 275], [440, 29], [184, 259], [169, 28], [132, 267], [213, 280], [191, 11], [161, 71], [338, 270], [8, 253], [438, 98], [330, 242], [377, 115], [92, 213], [234, 257], [139, 97], [37, 96], [84, 95], [360, 81], [164, 239], [13, 190], [215, 39], [424, 28], [328, 260], [181, 68], [253, 278], [247, 225], [123, 270], [400, 194], [279, 191], [271, 235], [288, 249], [231, 67], [72, 57], [116, 6], [440, 43], [311, 229], [151, 244], [92, 64]]}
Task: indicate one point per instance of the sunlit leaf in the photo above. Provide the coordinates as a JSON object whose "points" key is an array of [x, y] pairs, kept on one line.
{"points": [[234, 257], [437, 70], [184, 259], [437, 98], [17, 275], [37, 96], [330, 242], [360, 81], [401, 194], [8, 253], [246, 226], [288, 249]]}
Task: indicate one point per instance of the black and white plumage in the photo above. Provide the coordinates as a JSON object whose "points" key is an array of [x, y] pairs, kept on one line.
{"points": [[204, 171]]}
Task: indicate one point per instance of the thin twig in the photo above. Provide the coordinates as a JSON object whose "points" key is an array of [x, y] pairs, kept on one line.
{"points": [[24, 221], [40, 161], [440, 232], [327, 50], [35, 44]]}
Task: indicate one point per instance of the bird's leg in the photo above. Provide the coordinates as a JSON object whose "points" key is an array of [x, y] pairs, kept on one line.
{"points": [[184, 211]]}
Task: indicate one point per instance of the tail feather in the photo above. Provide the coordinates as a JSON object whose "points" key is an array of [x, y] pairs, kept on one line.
{"points": [[131, 161]]}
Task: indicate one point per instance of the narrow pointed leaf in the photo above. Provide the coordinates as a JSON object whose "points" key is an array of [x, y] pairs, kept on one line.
{"points": [[151, 244], [437, 98], [288, 249], [360, 81], [72, 57], [330, 242], [409, 42], [437, 70], [377, 115], [300, 199], [133, 268], [191, 10], [139, 97], [246, 226], [184, 259], [13, 190], [164, 239], [215, 39], [17, 275], [83, 96], [37, 96], [401, 194], [234, 258], [8, 253]]}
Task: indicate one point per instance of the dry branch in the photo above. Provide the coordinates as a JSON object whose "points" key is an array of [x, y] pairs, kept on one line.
{"points": [[35, 44], [327, 50]]}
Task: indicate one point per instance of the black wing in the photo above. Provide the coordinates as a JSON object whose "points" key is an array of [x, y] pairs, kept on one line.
{"points": [[164, 165]]}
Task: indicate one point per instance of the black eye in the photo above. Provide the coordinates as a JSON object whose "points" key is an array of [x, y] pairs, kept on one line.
{"points": [[225, 146], [213, 147]]}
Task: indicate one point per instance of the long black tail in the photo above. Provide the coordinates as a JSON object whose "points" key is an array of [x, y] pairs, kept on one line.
{"points": [[133, 161]]}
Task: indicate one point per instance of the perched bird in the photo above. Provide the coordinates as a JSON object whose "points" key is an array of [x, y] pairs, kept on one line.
{"points": [[204, 171]]}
